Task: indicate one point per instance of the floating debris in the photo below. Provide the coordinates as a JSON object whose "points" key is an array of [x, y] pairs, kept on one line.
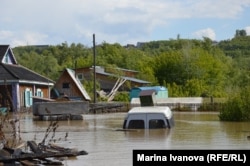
{"points": [[15, 151], [39, 154]]}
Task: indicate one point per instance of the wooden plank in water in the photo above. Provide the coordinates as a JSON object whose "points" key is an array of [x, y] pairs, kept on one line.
{"points": [[27, 162], [33, 146], [40, 153]]}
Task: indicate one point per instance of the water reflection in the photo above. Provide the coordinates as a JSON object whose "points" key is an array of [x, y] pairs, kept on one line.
{"points": [[98, 135]]}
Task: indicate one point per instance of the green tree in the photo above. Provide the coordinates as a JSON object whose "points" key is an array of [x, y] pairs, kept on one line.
{"points": [[188, 67], [240, 33]]}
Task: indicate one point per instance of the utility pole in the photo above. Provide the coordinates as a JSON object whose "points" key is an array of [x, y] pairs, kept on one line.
{"points": [[94, 59]]}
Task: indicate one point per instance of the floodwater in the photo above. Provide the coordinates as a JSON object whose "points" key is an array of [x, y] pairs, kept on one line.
{"points": [[97, 134]]}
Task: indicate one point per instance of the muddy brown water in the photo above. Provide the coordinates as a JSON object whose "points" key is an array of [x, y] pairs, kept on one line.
{"points": [[97, 135]]}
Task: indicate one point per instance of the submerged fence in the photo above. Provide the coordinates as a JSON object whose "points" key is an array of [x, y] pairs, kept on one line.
{"points": [[186, 103]]}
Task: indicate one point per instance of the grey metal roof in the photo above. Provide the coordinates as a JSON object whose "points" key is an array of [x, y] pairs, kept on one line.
{"points": [[127, 78], [78, 83], [12, 72], [3, 51], [156, 88], [19, 73], [147, 92]]}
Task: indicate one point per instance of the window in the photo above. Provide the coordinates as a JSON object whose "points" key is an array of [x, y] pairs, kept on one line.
{"points": [[39, 93], [80, 76], [156, 124], [65, 85], [6, 58], [28, 97], [136, 124]]}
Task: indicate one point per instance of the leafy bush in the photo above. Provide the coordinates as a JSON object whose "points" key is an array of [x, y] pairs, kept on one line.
{"points": [[122, 96], [231, 110], [237, 107]]}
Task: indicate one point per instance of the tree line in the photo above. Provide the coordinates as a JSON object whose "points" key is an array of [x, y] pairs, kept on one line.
{"points": [[187, 67]]}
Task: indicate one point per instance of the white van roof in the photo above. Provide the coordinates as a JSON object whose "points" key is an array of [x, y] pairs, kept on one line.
{"points": [[154, 109]]}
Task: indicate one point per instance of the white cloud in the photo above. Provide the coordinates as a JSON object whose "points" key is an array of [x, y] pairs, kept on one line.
{"points": [[217, 9], [208, 32], [34, 37], [5, 35], [115, 21], [19, 38], [248, 30]]}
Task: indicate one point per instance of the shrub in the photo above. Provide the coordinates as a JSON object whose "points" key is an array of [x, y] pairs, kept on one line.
{"points": [[122, 96], [237, 107]]}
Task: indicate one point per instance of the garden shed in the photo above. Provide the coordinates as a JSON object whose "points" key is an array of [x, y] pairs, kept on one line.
{"points": [[161, 92]]}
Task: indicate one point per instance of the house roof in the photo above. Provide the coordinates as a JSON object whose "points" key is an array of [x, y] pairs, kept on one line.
{"points": [[12, 72], [149, 92], [78, 83], [101, 71], [4, 49], [156, 88], [127, 78], [129, 70], [18, 73]]}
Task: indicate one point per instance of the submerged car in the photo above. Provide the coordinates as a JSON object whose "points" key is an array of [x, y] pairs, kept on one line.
{"points": [[152, 117]]}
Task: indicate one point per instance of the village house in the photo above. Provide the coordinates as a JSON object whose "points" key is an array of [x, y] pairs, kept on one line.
{"points": [[18, 84], [70, 87], [109, 77]]}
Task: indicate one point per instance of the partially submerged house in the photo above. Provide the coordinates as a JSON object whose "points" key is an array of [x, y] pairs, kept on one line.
{"points": [[68, 85], [107, 78], [19, 84], [71, 99]]}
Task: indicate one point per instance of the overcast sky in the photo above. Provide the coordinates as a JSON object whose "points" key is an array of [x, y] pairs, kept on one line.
{"points": [[52, 22]]}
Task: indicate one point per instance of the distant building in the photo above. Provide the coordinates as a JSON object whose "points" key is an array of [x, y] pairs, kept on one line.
{"points": [[130, 46], [140, 44]]}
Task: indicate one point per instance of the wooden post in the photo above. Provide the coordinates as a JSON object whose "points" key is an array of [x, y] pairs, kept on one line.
{"points": [[94, 61]]}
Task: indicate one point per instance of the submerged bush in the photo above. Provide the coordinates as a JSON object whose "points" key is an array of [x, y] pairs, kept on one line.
{"points": [[231, 111], [237, 107]]}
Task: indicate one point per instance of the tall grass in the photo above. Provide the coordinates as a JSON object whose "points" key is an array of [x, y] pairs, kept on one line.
{"points": [[237, 107]]}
